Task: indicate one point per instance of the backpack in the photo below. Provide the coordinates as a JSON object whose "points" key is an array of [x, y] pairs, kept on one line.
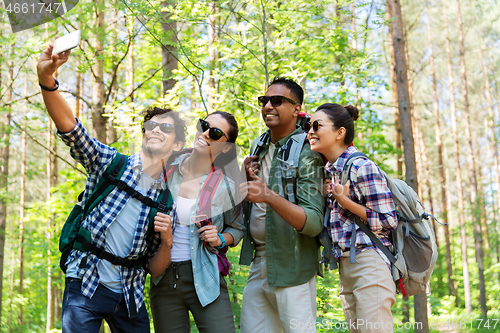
{"points": [[414, 242], [74, 237]]}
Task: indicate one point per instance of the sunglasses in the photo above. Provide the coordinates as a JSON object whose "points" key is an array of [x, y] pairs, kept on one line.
{"points": [[276, 100], [315, 126], [165, 128], [214, 133]]}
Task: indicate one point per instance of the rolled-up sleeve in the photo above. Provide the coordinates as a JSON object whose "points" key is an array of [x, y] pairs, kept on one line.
{"points": [[380, 208], [308, 189]]}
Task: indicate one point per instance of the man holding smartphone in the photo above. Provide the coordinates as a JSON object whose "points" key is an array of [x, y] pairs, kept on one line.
{"points": [[98, 289], [280, 294]]}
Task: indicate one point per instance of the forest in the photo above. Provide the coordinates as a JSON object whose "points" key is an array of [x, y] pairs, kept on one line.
{"points": [[424, 73]]}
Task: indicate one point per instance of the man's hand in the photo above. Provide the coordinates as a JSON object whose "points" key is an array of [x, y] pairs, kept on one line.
{"points": [[48, 64], [163, 225], [256, 190], [250, 163], [210, 235]]}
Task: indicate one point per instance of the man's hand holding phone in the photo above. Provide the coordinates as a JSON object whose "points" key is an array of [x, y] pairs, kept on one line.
{"points": [[48, 64]]}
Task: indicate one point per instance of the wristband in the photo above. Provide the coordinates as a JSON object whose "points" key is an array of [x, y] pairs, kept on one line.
{"points": [[222, 240], [49, 89]]}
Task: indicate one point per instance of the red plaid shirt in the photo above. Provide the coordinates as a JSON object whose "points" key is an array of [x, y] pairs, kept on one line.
{"points": [[368, 188]]}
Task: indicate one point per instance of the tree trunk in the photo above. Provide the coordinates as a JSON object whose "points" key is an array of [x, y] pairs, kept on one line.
{"points": [[99, 89], [4, 176], [439, 145], [401, 69], [355, 48], [397, 124], [456, 153], [471, 166], [211, 54], [169, 62], [49, 225], [130, 60], [22, 201], [3, 205], [493, 138]]}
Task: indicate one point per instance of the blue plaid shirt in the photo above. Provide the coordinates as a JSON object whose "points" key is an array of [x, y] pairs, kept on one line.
{"points": [[369, 189], [95, 157]]}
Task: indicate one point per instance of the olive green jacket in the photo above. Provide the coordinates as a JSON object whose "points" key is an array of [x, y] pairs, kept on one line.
{"points": [[292, 256]]}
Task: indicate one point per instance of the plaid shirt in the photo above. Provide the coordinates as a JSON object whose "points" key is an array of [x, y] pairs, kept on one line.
{"points": [[95, 157], [368, 188]]}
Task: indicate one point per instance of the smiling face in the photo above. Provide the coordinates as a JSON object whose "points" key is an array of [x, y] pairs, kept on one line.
{"points": [[281, 118], [327, 135], [203, 144], [158, 143]]}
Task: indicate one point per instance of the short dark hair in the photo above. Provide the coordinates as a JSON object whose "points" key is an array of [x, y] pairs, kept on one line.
{"points": [[341, 116], [179, 124], [294, 87]]}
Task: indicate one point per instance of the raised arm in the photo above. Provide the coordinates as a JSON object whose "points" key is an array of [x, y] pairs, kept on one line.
{"points": [[58, 109]]}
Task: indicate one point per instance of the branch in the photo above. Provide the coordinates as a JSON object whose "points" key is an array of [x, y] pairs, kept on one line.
{"points": [[22, 99], [140, 85], [48, 149], [113, 80], [78, 96]]}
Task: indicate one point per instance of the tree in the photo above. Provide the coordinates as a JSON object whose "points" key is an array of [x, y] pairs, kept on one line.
{"points": [[458, 175], [471, 167], [169, 60], [439, 145], [401, 69]]}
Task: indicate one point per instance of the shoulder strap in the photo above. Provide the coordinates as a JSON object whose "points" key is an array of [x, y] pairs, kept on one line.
{"points": [[346, 171], [375, 240], [263, 139], [289, 162], [207, 193], [105, 186]]}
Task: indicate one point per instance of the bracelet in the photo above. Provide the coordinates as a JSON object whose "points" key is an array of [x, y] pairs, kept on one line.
{"points": [[222, 240], [50, 89]]}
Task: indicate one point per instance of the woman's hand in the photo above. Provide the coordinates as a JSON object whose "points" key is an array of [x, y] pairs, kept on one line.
{"points": [[163, 225], [210, 235], [341, 192], [327, 187]]}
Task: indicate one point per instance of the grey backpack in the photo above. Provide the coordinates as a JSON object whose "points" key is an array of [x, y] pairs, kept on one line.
{"points": [[414, 251]]}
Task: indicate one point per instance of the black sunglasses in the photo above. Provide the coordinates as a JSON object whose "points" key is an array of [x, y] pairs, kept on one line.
{"points": [[315, 126], [276, 100], [164, 127], [214, 133]]}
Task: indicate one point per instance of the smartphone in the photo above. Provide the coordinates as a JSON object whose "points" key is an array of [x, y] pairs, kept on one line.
{"points": [[67, 42], [201, 220]]}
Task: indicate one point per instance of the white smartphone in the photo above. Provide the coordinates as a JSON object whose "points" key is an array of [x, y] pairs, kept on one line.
{"points": [[67, 42]]}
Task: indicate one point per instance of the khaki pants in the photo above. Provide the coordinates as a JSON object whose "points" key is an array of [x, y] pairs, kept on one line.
{"points": [[367, 293], [269, 309]]}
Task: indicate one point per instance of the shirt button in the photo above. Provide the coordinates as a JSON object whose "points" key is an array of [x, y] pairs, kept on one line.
{"points": [[113, 214], [192, 248], [251, 243]]}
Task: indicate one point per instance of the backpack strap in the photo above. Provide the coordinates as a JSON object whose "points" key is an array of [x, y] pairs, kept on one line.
{"points": [[288, 164], [263, 140], [105, 186], [345, 176], [346, 171], [374, 239]]}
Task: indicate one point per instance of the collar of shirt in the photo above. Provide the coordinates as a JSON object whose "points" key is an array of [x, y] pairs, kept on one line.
{"points": [[136, 165], [338, 165]]}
